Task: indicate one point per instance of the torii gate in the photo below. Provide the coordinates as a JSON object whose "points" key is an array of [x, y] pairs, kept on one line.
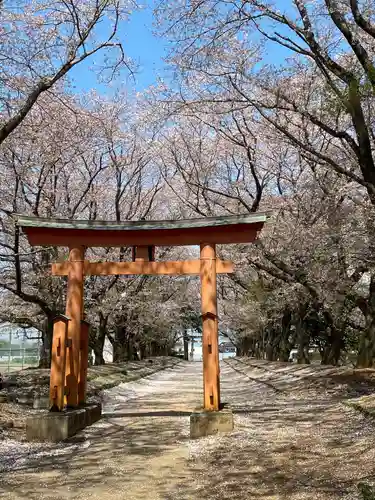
{"points": [[69, 358]]}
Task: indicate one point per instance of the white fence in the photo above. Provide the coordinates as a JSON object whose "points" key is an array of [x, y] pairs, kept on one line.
{"points": [[17, 351]]}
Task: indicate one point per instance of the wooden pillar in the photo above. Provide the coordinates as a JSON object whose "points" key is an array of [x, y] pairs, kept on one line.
{"points": [[211, 374], [144, 254], [74, 311], [83, 362], [58, 361], [186, 345]]}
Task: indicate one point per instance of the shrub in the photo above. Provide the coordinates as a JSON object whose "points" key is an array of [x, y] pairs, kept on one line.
{"points": [[367, 491]]}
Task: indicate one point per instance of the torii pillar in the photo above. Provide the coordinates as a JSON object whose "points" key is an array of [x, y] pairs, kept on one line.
{"points": [[75, 387], [211, 369], [70, 340]]}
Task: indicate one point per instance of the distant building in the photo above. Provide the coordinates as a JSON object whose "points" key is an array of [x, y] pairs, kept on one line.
{"points": [[195, 350], [227, 347]]}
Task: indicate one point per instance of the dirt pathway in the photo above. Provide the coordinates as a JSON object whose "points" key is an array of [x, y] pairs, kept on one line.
{"points": [[293, 439]]}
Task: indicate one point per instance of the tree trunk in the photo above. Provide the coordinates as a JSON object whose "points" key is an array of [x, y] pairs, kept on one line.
{"points": [[142, 351], [366, 352], [98, 346], [332, 351], [287, 340], [256, 352], [120, 350], [269, 352], [302, 335], [98, 354], [284, 353], [131, 348], [270, 343], [191, 356], [186, 346], [154, 349], [244, 348], [303, 345], [45, 350]]}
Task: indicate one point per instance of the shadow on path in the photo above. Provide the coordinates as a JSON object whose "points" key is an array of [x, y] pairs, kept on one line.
{"points": [[287, 445]]}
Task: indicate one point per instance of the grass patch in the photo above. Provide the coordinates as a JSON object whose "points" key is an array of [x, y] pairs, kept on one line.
{"points": [[367, 491], [364, 404]]}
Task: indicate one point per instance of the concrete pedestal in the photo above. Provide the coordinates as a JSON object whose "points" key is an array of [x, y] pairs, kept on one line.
{"points": [[206, 423], [41, 403], [59, 426]]}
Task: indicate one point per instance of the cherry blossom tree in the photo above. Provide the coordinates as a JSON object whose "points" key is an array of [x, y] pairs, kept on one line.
{"points": [[84, 165], [42, 42], [316, 107]]}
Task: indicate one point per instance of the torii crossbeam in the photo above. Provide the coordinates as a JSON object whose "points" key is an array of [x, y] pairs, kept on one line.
{"points": [[69, 357]]}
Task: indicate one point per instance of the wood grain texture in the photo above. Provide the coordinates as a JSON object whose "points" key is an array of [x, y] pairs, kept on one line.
{"points": [[189, 267]]}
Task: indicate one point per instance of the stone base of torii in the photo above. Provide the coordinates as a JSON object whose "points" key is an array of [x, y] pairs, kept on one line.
{"points": [[70, 345]]}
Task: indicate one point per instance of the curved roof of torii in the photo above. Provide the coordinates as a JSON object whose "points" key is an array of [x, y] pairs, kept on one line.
{"points": [[68, 232]]}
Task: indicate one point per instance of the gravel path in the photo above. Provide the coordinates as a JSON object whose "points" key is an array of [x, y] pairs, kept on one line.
{"points": [[293, 439]]}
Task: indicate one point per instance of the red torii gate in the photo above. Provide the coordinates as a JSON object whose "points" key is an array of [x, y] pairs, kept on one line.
{"points": [[69, 360]]}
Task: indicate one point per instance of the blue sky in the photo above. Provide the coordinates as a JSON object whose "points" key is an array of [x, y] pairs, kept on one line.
{"points": [[147, 51]]}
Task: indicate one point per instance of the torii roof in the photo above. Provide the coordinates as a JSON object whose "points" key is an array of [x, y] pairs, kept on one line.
{"points": [[68, 232]]}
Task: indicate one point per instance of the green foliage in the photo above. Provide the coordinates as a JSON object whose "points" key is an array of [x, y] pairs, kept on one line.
{"points": [[367, 491]]}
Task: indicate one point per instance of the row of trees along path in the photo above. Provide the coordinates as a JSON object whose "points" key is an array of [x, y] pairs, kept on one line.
{"points": [[233, 131]]}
